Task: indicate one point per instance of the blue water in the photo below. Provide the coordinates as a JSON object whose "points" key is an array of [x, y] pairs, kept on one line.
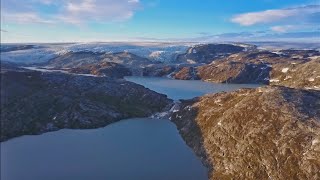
{"points": [[134, 149], [185, 89]]}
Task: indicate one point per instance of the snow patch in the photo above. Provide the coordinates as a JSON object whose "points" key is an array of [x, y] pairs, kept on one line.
{"points": [[190, 61], [287, 77], [285, 70], [315, 141], [314, 57], [156, 54], [260, 90], [217, 100], [194, 51], [311, 79], [274, 80]]}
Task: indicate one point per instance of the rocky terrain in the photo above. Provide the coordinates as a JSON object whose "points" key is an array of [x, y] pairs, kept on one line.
{"points": [[265, 133], [83, 59], [186, 73], [158, 70], [77, 59], [36, 102], [106, 69], [206, 53], [9, 48], [261, 67], [299, 54], [297, 75]]}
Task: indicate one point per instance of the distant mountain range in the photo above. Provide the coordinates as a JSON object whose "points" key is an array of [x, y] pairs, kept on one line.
{"points": [[223, 63]]}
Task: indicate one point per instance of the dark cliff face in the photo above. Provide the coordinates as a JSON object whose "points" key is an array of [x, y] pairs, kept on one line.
{"points": [[208, 52], [8, 66], [35, 102], [264, 133]]}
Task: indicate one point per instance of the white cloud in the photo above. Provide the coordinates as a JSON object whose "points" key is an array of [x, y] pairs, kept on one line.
{"points": [[46, 2], [133, 1], [99, 10], [69, 11], [282, 29], [270, 16], [25, 18], [82, 7]]}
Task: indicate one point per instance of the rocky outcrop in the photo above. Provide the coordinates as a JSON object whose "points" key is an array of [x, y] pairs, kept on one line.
{"points": [[105, 64], [297, 75], [75, 59], [186, 73], [108, 69], [299, 54], [264, 133], [235, 72], [206, 53], [36, 102], [81, 58], [263, 68], [158, 70]]}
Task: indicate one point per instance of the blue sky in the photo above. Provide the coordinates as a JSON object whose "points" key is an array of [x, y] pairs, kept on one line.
{"points": [[153, 20]]}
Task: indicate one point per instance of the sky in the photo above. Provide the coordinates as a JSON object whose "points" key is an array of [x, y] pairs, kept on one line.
{"points": [[159, 20]]}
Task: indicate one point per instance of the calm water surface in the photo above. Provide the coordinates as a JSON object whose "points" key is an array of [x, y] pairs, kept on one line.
{"points": [[185, 89], [135, 149]]}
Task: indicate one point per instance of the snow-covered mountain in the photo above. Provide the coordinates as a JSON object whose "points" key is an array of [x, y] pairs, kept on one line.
{"points": [[44, 52]]}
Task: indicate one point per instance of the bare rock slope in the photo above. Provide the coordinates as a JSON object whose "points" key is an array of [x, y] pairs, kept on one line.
{"points": [[108, 69], [34, 102], [297, 75], [261, 67], [264, 133], [206, 53]]}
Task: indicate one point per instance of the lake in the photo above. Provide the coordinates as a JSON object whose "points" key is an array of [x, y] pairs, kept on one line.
{"points": [[135, 149], [185, 89]]}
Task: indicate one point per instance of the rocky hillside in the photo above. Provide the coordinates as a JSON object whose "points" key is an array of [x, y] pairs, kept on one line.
{"points": [[235, 72], [264, 133], [108, 69], [246, 67], [206, 53], [186, 73], [299, 54], [261, 67], [12, 47], [297, 75], [75, 59], [80, 58], [98, 63], [36, 102], [158, 70]]}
